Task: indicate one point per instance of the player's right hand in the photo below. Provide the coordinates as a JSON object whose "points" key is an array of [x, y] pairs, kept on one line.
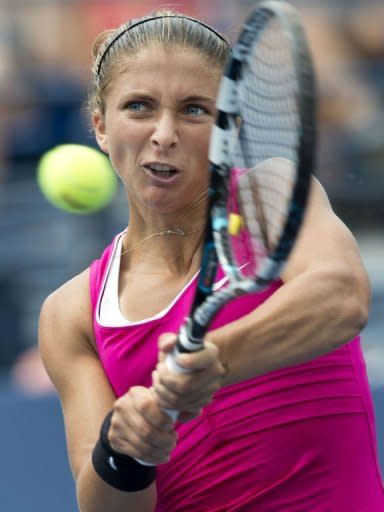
{"points": [[140, 429]]}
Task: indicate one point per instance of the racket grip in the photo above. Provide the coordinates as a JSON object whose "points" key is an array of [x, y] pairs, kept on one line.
{"points": [[172, 365], [184, 344], [170, 361]]}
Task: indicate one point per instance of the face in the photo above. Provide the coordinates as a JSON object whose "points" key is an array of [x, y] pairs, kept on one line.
{"points": [[156, 127]]}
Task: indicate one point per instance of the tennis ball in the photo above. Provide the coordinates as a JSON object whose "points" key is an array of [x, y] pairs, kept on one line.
{"points": [[76, 178]]}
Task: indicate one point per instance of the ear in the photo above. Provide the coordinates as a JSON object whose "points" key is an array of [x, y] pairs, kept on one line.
{"points": [[98, 122]]}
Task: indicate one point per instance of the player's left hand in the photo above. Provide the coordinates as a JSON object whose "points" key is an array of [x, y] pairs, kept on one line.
{"points": [[187, 392]]}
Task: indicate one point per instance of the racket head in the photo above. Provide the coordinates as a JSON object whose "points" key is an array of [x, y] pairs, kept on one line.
{"points": [[263, 145]]}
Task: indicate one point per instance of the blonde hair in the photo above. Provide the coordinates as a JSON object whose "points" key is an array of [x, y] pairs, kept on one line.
{"points": [[169, 28]]}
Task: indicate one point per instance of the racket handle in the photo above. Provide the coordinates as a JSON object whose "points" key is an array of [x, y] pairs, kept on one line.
{"points": [[172, 365], [173, 413], [170, 361], [184, 344]]}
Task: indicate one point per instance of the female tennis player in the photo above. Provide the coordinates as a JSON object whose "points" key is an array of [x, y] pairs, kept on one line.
{"points": [[275, 411]]}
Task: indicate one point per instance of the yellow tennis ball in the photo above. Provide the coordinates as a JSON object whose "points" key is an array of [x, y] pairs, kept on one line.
{"points": [[76, 178]]}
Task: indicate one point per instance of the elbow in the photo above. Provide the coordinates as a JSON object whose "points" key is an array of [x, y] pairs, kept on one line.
{"points": [[343, 303], [361, 289], [354, 303], [358, 316]]}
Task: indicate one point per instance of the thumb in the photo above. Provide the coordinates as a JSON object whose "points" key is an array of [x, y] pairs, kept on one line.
{"points": [[167, 343]]}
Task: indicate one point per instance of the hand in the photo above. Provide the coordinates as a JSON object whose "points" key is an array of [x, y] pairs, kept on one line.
{"points": [[140, 429], [187, 392]]}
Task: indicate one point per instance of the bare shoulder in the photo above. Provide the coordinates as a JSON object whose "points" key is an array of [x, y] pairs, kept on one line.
{"points": [[67, 299], [70, 302], [67, 309], [324, 240]]}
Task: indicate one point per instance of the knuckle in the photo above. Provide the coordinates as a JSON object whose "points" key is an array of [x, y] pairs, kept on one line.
{"points": [[173, 384], [117, 421], [145, 406], [212, 350], [145, 432], [161, 391], [169, 402], [116, 442], [182, 386], [163, 381], [118, 409]]}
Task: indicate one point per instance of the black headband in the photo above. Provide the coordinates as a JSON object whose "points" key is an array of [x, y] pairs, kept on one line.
{"points": [[139, 22]]}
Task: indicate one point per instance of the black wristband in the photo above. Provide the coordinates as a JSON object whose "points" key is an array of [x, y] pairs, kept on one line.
{"points": [[116, 469]]}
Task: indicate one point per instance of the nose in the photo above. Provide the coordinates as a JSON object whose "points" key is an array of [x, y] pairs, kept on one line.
{"points": [[164, 135]]}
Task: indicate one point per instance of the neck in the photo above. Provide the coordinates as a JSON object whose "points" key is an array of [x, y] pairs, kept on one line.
{"points": [[175, 248]]}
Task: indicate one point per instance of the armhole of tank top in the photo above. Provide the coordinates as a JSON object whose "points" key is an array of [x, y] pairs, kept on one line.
{"points": [[101, 291]]}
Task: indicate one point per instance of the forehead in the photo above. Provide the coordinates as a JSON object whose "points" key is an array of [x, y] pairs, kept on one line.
{"points": [[177, 68]]}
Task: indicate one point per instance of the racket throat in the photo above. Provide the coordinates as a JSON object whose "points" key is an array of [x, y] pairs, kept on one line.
{"points": [[191, 337]]}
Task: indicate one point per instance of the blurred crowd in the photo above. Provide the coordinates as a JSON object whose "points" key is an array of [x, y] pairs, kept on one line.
{"points": [[45, 57]]}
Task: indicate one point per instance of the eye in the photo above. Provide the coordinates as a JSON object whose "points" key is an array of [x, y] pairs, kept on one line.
{"points": [[195, 110], [136, 106]]}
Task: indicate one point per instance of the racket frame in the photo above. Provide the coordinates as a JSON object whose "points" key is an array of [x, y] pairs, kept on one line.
{"points": [[216, 244]]}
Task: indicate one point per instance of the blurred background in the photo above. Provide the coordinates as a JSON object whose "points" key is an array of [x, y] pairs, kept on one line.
{"points": [[45, 58]]}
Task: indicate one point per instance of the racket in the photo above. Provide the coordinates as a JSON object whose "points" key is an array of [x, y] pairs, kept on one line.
{"points": [[262, 156]]}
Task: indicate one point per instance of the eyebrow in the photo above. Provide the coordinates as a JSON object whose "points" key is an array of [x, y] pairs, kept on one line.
{"points": [[188, 99], [198, 99]]}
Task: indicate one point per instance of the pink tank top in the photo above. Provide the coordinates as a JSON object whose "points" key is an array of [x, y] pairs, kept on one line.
{"points": [[282, 442]]}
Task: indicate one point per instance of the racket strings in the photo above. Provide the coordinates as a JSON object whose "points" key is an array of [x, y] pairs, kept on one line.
{"points": [[268, 98], [266, 142], [263, 207], [269, 229]]}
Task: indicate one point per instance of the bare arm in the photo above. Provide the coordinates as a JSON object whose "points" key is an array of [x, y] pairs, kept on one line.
{"points": [[65, 339], [323, 303]]}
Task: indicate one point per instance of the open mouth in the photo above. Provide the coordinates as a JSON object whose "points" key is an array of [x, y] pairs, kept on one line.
{"points": [[162, 171]]}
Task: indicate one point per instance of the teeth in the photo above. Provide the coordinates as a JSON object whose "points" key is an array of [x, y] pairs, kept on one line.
{"points": [[161, 168]]}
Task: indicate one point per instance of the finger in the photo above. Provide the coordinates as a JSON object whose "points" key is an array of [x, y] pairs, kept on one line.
{"points": [[165, 397], [140, 405], [145, 403], [132, 423], [185, 401], [132, 434], [144, 444], [205, 358], [167, 342], [165, 381]]}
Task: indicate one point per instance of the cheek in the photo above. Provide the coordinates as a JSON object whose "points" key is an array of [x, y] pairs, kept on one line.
{"points": [[126, 146], [202, 143], [199, 140], [199, 156]]}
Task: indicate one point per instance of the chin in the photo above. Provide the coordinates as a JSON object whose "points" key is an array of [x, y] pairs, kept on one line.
{"points": [[163, 206]]}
